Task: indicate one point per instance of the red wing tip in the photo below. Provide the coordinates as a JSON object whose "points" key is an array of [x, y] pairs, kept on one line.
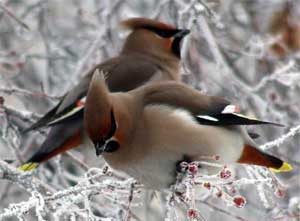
{"points": [[229, 109], [233, 109]]}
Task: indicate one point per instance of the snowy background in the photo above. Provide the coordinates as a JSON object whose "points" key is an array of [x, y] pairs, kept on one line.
{"points": [[246, 51]]}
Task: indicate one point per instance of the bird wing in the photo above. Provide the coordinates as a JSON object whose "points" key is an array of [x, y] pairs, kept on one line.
{"points": [[207, 110], [210, 110], [66, 118], [122, 75]]}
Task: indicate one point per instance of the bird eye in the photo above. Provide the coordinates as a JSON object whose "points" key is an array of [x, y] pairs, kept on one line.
{"points": [[111, 146], [113, 127], [163, 33]]}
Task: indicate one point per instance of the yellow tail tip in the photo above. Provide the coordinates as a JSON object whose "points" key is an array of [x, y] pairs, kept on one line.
{"points": [[28, 166], [285, 167]]}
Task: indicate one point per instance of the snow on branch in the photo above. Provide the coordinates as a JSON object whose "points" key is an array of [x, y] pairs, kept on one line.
{"points": [[26, 181], [110, 189], [185, 192], [276, 143]]}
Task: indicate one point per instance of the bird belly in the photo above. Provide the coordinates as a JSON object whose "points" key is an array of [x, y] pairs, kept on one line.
{"points": [[156, 171], [167, 136]]}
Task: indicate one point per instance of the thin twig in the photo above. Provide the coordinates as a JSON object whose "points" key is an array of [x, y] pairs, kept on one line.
{"points": [[223, 211], [275, 143], [13, 16]]}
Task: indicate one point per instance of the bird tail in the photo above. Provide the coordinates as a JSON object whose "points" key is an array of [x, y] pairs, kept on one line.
{"points": [[53, 146], [251, 155]]}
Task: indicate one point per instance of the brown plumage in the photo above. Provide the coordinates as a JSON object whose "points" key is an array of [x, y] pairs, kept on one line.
{"points": [[156, 126], [151, 53], [145, 23]]}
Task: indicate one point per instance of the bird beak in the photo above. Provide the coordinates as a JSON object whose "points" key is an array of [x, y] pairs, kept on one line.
{"points": [[99, 147], [181, 33]]}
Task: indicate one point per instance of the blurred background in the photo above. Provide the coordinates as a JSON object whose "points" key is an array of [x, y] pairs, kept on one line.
{"points": [[246, 51]]}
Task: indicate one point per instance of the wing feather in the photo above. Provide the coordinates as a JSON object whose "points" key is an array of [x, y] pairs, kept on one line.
{"points": [[207, 110], [122, 76]]}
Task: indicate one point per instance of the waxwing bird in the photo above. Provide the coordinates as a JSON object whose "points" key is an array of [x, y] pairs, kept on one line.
{"points": [[146, 132], [151, 53]]}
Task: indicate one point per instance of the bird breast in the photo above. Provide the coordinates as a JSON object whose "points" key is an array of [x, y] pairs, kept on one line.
{"points": [[163, 137]]}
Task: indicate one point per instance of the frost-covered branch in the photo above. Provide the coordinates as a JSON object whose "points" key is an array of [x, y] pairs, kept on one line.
{"points": [[275, 143], [108, 188], [13, 16], [28, 93], [27, 182]]}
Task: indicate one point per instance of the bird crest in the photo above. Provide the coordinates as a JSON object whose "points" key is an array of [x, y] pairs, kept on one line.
{"points": [[146, 23]]}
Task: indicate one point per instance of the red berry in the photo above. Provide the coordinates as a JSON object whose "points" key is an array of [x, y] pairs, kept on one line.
{"points": [[239, 201], [12, 53], [20, 65], [217, 157], [79, 103], [193, 213], [219, 194], [280, 193], [225, 173], [207, 185], [193, 168], [273, 96]]}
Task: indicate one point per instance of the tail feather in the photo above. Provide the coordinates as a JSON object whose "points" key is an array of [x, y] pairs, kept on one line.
{"points": [[285, 167], [51, 148], [251, 155]]}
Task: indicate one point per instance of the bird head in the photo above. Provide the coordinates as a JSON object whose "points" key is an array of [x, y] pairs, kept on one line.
{"points": [[102, 116], [153, 38]]}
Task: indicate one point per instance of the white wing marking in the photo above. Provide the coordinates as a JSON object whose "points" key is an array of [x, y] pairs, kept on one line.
{"points": [[70, 113], [206, 117]]}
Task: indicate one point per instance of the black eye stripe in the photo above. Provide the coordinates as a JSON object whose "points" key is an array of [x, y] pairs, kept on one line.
{"points": [[105, 144], [176, 47], [113, 126], [162, 32]]}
